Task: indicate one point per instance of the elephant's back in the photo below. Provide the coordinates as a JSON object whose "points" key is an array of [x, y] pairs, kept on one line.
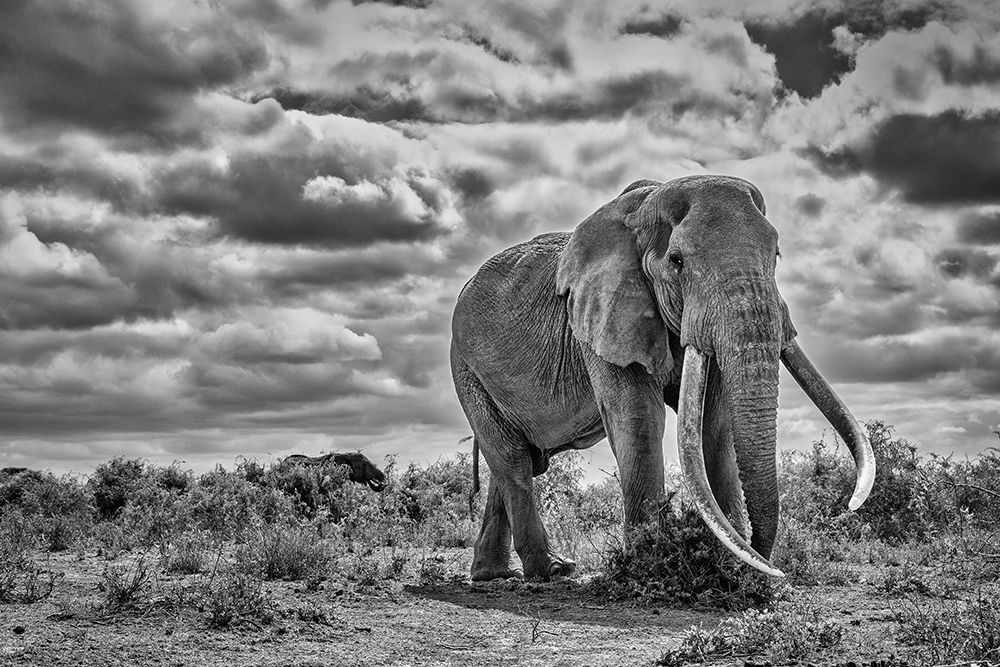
{"points": [[508, 289]]}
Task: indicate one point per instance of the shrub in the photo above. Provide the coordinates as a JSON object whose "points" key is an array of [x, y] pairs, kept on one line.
{"points": [[125, 585], [905, 502], [236, 595], [112, 482], [809, 557], [229, 506], [288, 552], [21, 580], [314, 488], [781, 635], [57, 509], [955, 630], [677, 559], [434, 500], [189, 553]]}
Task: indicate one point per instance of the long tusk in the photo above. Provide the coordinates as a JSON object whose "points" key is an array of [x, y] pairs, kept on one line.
{"points": [[692, 458], [836, 412]]}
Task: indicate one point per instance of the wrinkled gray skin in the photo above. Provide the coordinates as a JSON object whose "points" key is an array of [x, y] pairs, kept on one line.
{"points": [[569, 338], [362, 471]]}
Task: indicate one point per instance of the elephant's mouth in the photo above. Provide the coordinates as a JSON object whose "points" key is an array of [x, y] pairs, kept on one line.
{"points": [[692, 456], [376, 485]]}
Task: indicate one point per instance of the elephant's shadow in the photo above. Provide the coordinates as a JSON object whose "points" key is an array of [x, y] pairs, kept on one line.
{"points": [[564, 601]]}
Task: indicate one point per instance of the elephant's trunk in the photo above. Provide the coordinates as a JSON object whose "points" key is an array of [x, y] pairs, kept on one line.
{"points": [[749, 370], [747, 344]]}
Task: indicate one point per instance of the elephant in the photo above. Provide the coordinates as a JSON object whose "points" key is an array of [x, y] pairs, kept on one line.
{"points": [[362, 471], [665, 296]]}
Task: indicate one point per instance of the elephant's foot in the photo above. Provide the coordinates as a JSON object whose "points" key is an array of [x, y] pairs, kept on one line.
{"points": [[553, 565]]}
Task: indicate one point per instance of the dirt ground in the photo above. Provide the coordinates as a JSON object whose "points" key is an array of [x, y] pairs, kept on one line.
{"points": [[451, 622]]}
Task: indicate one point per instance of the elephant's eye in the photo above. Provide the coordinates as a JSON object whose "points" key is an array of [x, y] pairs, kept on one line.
{"points": [[675, 260]]}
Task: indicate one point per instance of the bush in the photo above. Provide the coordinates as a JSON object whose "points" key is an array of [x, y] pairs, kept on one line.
{"points": [[236, 596], [677, 559], [434, 500], [21, 580], [958, 630], [314, 488], [906, 501], [189, 553], [787, 633], [230, 507], [125, 586], [56, 509], [112, 482], [809, 557], [288, 552]]}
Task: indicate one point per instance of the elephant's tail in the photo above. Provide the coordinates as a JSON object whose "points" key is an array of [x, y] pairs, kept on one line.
{"points": [[475, 471]]}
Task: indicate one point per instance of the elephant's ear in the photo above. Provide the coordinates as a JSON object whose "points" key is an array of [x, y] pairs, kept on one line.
{"points": [[610, 300]]}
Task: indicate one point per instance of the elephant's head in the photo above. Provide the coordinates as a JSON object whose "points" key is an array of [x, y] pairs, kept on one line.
{"points": [[363, 471], [683, 273]]}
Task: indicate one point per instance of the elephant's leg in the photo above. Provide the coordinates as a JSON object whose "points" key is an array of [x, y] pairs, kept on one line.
{"points": [[508, 455], [720, 457], [492, 551], [530, 539], [632, 409]]}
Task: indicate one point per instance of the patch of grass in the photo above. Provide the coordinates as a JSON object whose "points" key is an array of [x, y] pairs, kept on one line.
{"points": [[791, 632], [677, 559], [190, 553], [125, 586], [21, 580], [289, 552], [955, 629], [237, 596], [810, 558]]}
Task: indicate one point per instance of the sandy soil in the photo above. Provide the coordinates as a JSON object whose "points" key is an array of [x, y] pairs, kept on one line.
{"points": [[392, 623]]}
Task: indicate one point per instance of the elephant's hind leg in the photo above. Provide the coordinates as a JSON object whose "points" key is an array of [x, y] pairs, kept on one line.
{"points": [[492, 551], [510, 507]]}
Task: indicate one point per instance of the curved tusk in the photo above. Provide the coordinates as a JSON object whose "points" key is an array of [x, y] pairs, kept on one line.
{"points": [[692, 458], [839, 416]]}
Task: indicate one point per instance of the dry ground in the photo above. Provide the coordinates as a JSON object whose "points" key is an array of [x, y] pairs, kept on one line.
{"points": [[447, 622]]}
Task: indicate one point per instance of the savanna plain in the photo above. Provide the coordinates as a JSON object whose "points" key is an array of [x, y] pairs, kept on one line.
{"points": [[265, 563]]}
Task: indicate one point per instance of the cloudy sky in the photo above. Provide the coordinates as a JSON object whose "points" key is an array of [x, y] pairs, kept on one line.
{"points": [[239, 227]]}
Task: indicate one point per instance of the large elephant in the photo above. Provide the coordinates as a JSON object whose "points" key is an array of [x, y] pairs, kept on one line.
{"points": [[361, 470], [664, 296]]}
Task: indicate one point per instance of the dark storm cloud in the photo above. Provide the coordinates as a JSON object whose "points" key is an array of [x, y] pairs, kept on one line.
{"points": [[365, 102], [903, 360], [810, 205], [472, 183], [961, 262], [267, 199], [656, 25], [143, 278], [53, 168], [979, 228], [805, 55], [62, 303], [417, 4], [108, 68], [945, 158]]}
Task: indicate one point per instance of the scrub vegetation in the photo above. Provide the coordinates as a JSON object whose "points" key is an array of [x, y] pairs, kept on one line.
{"points": [[912, 576]]}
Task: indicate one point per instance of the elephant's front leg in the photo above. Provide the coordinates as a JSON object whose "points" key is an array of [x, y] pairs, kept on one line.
{"points": [[632, 409]]}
